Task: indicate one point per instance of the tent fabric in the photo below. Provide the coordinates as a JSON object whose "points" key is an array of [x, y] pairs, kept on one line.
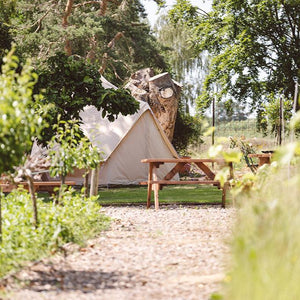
{"points": [[124, 143]]}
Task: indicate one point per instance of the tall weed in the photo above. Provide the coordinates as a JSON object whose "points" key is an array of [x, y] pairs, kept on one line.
{"points": [[266, 242]]}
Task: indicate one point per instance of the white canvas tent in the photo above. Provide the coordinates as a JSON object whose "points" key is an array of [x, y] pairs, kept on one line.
{"points": [[124, 143]]}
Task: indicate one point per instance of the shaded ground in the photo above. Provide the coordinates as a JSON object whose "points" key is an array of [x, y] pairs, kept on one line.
{"points": [[174, 253]]}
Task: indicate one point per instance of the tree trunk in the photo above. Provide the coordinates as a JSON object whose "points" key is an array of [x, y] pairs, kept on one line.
{"points": [[61, 189], [94, 182], [162, 94], [65, 24], [105, 56], [86, 185], [33, 199], [0, 216]]}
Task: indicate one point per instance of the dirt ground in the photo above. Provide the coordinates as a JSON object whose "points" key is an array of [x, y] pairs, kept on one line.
{"points": [[177, 252]]}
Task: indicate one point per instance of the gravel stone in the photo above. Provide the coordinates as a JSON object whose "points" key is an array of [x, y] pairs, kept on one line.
{"points": [[176, 253]]}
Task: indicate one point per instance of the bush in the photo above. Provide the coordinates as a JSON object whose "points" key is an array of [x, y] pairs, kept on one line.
{"points": [[75, 220], [188, 131]]}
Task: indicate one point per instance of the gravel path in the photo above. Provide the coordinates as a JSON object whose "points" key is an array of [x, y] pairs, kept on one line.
{"points": [[174, 253]]}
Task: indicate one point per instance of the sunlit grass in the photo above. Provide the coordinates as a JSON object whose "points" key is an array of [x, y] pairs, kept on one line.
{"points": [[168, 195]]}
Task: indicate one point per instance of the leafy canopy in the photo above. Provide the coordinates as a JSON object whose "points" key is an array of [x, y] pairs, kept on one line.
{"points": [[254, 47], [113, 36], [71, 83]]}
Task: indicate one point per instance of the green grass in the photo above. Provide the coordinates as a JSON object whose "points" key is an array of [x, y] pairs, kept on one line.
{"points": [[168, 195]]}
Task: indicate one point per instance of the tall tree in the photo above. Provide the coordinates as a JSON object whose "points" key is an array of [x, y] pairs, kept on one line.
{"points": [[111, 34], [254, 47], [187, 65]]}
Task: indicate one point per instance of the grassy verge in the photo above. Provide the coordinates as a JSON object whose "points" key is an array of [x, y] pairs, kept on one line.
{"points": [[266, 243], [75, 220], [194, 194]]}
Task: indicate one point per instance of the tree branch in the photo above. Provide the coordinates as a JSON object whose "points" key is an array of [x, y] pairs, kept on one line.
{"points": [[39, 21], [86, 3], [110, 45], [68, 11]]}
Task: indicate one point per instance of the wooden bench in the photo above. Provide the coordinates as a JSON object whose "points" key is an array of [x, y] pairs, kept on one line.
{"points": [[39, 186], [156, 185], [264, 158]]}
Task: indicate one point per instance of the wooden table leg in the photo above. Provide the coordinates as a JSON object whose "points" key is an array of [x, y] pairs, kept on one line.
{"points": [[156, 188], [150, 174], [224, 190], [208, 172]]}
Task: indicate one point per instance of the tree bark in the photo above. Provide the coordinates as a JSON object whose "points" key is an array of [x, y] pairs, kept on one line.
{"points": [[163, 90], [94, 182], [161, 93], [65, 24], [0, 216], [33, 199], [86, 185], [105, 56]]}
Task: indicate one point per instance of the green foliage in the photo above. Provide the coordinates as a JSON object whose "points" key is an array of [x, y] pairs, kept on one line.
{"points": [[5, 40], [245, 148], [270, 114], [254, 48], [188, 131], [38, 31], [187, 65], [71, 83], [19, 119], [76, 220], [70, 149], [265, 247]]}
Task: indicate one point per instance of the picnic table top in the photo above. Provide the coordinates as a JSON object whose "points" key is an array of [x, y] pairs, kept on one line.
{"points": [[178, 160]]}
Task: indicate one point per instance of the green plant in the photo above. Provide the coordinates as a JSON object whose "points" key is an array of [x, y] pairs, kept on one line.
{"points": [[76, 220], [188, 131], [21, 121], [265, 245], [270, 114], [71, 83], [70, 149], [246, 148]]}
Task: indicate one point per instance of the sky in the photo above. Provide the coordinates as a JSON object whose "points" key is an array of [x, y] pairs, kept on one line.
{"points": [[151, 7]]}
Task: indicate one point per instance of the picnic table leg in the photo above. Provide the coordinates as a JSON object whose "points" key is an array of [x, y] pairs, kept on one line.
{"points": [[224, 190], [150, 174], [156, 189]]}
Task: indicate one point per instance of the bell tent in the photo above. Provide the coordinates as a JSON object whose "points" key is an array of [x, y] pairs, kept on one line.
{"points": [[124, 143]]}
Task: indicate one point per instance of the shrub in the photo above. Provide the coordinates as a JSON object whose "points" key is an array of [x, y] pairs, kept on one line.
{"points": [[75, 220]]}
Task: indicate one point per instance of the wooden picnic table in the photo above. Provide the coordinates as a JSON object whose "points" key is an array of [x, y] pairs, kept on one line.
{"points": [[264, 158], [200, 163]]}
